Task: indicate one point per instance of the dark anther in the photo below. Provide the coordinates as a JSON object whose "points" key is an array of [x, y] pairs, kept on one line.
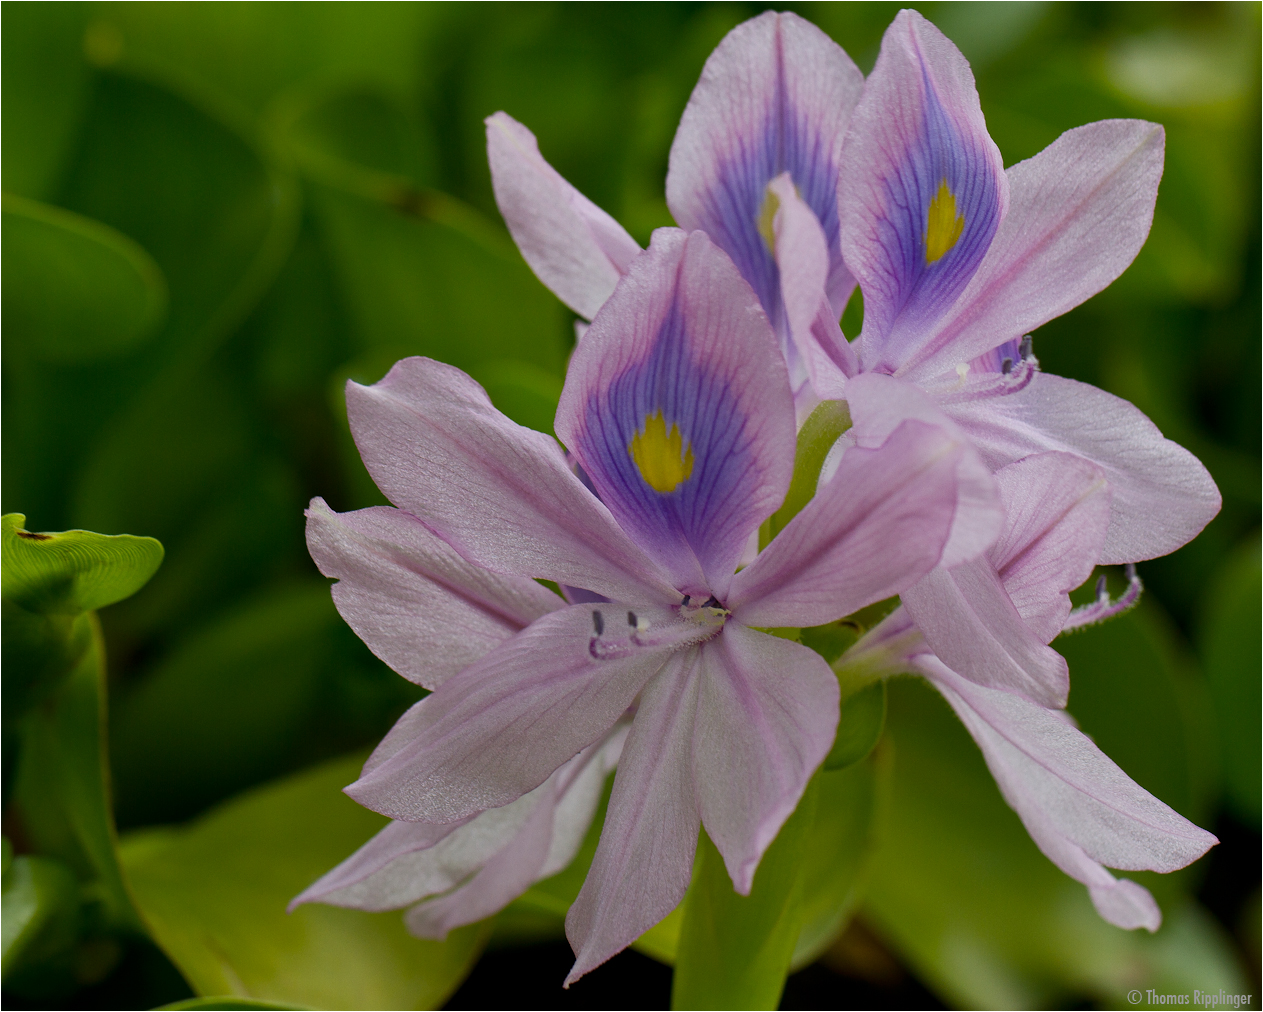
{"points": [[685, 602], [712, 602], [1100, 586], [598, 622], [631, 619], [1129, 571], [1006, 366], [1027, 348]]}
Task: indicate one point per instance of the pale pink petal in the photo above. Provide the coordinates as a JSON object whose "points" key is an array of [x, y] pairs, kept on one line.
{"points": [[921, 190], [775, 96], [969, 622], [1079, 211], [878, 405], [403, 862], [1160, 494], [546, 843], [1056, 512], [767, 715], [1079, 807], [501, 494], [418, 605], [573, 246], [872, 529], [499, 728], [802, 258], [481, 863], [682, 350], [581, 782], [501, 878], [644, 861]]}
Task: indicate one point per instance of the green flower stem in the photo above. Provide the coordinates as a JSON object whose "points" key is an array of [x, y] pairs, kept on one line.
{"points": [[735, 951], [816, 438]]}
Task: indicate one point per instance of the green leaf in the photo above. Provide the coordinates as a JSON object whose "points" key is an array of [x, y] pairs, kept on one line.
{"points": [[963, 894], [62, 790], [40, 922], [215, 892], [837, 851], [45, 84], [71, 572], [1231, 659], [863, 716], [437, 280], [272, 47], [271, 685], [815, 439], [75, 290], [735, 951], [227, 1002]]}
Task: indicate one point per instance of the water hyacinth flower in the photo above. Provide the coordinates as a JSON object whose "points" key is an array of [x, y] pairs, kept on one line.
{"points": [[1082, 811], [957, 260], [678, 410]]}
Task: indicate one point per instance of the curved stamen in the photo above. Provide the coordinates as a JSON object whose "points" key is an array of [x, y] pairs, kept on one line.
{"points": [[1103, 608]]}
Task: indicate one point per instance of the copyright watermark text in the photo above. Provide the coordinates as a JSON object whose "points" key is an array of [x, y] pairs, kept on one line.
{"points": [[1197, 999]]}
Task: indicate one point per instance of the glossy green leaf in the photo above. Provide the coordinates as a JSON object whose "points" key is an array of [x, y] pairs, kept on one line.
{"points": [[70, 572], [63, 792], [75, 290], [735, 951], [1230, 653], [860, 724], [214, 894], [961, 892], [39, 901]]}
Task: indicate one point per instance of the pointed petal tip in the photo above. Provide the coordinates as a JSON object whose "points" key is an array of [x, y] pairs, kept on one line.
{"points": [[1127, 905]]}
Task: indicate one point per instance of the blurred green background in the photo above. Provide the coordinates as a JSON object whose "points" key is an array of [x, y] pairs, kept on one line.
{"points": [[215, 214]]}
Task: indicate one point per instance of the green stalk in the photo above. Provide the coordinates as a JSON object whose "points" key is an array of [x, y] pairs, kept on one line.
{"points": [[735, 951]]}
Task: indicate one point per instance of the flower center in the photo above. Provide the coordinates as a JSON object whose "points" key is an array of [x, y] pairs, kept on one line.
{"points": [[943, 225], [663, 456], [618, 631]]}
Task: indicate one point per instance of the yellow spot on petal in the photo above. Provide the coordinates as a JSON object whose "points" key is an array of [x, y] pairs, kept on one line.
{"points": [[663, 457], [766, 218], [944, 225]]}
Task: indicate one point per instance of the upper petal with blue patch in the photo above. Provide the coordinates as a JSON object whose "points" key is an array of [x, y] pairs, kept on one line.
{"points": [[776, 95], [922, 191], [677, 405]]}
